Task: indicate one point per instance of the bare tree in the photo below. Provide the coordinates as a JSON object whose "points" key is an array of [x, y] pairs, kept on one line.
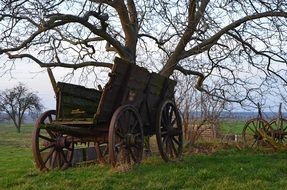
{"points": [[226, 41], [200, 113], [17, 101]]}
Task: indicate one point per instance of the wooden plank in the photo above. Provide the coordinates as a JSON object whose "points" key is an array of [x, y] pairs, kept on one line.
{"points": [[110, 98], [136, 85], [79, 91], [75, 101], [168, 91], [52, 79], [85, 123], [156, 84]]}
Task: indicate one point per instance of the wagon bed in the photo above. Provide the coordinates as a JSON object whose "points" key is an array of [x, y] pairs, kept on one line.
{"points": [[128, 84], [133, 99]]}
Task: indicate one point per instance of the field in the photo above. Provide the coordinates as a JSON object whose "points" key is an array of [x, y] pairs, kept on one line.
{"points": [[231, 127], [226, 169]]}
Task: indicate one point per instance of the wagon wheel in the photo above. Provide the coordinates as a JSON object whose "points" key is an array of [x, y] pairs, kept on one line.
{"points": [[125, 137], [169, 132], [278, 130], [51, 149], [102, 152], [251, 136]]}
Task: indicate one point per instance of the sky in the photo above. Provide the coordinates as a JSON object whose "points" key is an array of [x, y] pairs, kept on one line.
{"points": [[35, 78]]}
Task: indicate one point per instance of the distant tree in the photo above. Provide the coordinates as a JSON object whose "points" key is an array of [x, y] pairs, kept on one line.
{"points": [[17, 101]]}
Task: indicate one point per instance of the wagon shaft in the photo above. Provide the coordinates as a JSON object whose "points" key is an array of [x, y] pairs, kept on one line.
{"points": [[268, 139]]}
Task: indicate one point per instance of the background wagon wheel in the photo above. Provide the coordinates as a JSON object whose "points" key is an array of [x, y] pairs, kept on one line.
{"points": [[125, 137], [169, 132], [251, 136], [278, 130], [102, 152], [51, 150]]}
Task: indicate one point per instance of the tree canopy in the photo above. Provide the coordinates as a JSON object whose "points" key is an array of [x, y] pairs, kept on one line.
{"points": [[240, 45]]}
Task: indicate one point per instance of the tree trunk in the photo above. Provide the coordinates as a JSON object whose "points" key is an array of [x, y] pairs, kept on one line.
{"points": [[18, 129]]}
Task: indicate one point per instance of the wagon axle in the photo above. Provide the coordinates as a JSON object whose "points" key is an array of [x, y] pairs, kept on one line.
{"points": [[131, 139], [62, 142], [174, 131]]}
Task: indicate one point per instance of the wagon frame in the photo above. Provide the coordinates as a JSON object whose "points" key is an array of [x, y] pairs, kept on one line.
{"points": [[133, 104]]}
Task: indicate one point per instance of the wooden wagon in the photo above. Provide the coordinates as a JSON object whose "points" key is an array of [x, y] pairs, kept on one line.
{"points": [[133, 104]]}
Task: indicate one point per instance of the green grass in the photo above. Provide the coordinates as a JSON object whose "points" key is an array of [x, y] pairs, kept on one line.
{"points": [[231, 127], [226, 169]]}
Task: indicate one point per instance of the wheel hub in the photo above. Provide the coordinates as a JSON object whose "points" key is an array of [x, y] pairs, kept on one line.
{"points": [[173, 131], [257, 137], [130, 139], [61, 142]]}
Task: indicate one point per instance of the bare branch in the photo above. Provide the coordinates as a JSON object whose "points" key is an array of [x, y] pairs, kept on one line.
{"points": [[61, 64], [213, 39]]}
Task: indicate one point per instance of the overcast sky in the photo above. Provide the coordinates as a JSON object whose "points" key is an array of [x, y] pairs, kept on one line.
{"points": [[35, 78]]}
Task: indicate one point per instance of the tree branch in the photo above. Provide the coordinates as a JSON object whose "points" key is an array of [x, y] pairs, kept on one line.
{"points": [[61, 64], [213, 39]]}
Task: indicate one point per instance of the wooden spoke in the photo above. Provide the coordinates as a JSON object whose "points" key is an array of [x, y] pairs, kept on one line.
{"points": [[49, 156], [53, 161], [165, 139], [47, 152], [51, 133], [102, 152], [250, 133], [134, 153], [168, 139], [64, 156], [175, 140], [173, 121], [251, 129], [278, 128], [173, 147], [125, 137], [254, 142], [119, 134], [48, 147], [50, 118], [46, 138], [134, 125]]}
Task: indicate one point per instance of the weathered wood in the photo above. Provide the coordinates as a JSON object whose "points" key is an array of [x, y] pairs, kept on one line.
{"points": [[128, 84], [76, 102], [81, 132], [52, 79], [156, 84], [112, 92], [87, 115], [135, 87]]}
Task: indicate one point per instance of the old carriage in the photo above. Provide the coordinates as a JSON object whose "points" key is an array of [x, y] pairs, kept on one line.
{"points": [[133, 104]]}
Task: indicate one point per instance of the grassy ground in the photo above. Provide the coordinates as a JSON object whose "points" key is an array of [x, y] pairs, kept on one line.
{"points": [[231, 127], [226, 169]]}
